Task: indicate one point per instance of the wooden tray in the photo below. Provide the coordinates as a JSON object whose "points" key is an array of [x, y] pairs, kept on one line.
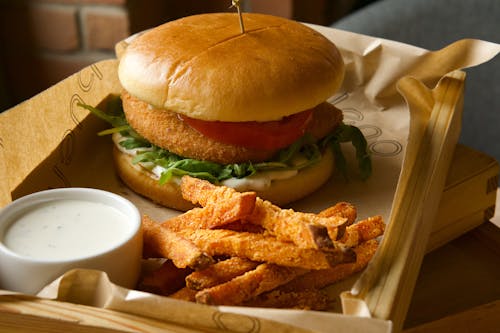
{"points": [[20, 313], [384, 290]]}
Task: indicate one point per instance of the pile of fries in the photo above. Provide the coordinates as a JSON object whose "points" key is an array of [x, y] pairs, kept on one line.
{"points": [[237, 249]]}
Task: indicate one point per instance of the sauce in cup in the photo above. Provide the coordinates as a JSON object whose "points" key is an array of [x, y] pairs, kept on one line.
{"points": [[65, 229], [48, 233]]}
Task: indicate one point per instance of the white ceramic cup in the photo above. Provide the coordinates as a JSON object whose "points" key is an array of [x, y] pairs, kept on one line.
{"points": [[121, 259]]}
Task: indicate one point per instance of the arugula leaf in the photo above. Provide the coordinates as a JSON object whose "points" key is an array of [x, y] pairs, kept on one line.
{"points": [[301, 154], [132, 143], [115, 120], [348, 133]]}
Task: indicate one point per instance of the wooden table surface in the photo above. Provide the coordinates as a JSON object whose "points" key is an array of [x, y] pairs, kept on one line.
{"points": [[458, 289]]}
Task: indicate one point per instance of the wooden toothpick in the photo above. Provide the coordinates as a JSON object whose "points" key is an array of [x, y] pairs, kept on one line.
{"points": [[236, 3]]}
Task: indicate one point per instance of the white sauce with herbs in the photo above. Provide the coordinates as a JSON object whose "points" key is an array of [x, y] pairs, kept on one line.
{"points": [[67, 229], [257, 182]]}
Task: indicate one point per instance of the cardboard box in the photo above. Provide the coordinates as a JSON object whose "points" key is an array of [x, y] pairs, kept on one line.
{"points": [[49, 141]]}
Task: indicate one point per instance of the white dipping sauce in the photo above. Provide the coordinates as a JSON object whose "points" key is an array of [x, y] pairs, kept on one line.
{"points": [[66, 229]]}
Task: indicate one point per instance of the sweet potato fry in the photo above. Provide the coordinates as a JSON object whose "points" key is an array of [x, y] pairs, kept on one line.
{"points": [[301, 300], [220, 272], [317, 279], [160, 241], [259, 247], [184, 294], [306, 230], [223, 204], [263, 278], [243, 226], [274, 257], [203, 218], [364, 230], [164, 280], [196, 218], [342, 209]]}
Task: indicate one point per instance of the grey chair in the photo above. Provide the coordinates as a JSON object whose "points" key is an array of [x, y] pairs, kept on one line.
{"points": [[433, 24]]}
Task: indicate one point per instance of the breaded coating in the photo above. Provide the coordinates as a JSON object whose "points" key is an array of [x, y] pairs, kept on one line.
{"points": [[314, 300], [268, 256], [164, 280], [223, 204], [259, 247], [204, 193], [342, 209], [165, 129], [363, 230], [244, 287], [317, 279], [160, 241], [184, 294], [324, 120], [219, 272], [209, 217], [306, 230]]}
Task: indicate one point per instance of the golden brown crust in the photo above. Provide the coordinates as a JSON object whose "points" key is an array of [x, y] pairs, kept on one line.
{"points": [[161, 242], [164, 129], [261, 247], [278, 67], [325, 119]]}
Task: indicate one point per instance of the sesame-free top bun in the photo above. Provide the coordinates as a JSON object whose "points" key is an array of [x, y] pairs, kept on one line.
{"points": [[203, 67]]}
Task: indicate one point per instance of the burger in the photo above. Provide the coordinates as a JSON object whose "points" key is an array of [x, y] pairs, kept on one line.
{"points": [[245, 109]]}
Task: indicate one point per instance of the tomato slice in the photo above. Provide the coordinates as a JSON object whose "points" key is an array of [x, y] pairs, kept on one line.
{"points": [[268, 135]]}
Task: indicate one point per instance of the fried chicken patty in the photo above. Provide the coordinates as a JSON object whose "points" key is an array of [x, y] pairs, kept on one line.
{"points": [[165, 129]]}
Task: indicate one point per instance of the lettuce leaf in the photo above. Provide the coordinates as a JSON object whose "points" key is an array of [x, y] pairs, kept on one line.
{"points": [[301, 154]]}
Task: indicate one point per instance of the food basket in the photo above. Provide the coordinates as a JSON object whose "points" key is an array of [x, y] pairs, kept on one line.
{"points": [[408, 103]]}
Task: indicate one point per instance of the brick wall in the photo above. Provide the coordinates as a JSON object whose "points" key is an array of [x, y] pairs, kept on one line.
{"points": [[44, 41]]}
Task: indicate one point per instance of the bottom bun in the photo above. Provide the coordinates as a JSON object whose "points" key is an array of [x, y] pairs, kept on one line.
{"points": [[281, 192], [140, 181], [308, 180]]}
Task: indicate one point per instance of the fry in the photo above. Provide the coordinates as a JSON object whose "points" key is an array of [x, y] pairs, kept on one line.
{"points": [[364, 230], [220, 272], [275, 257], [202, 218], [184, 294], [302, 300], [160, 241], [263, 278], [223, 204], [306, 230], [242, 226], [164, 280], [259, 247], [196, 218], [318, 279], [342, 209]]}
